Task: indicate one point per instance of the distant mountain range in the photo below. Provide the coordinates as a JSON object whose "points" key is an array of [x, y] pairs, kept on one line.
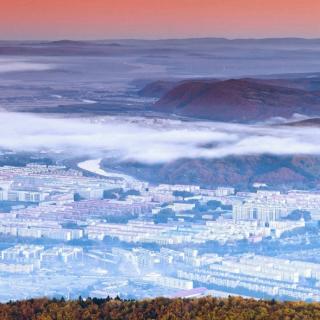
{"points": [[238, 100]]}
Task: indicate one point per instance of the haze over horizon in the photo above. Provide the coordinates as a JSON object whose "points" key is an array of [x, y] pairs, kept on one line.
{"points": [[105, 19], [74, 39]]}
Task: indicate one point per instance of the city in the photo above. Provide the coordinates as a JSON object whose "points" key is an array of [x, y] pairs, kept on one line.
{"points": [[65, 233]]}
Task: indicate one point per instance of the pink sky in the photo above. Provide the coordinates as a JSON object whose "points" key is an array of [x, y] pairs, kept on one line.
{"points": [[101, 19]]}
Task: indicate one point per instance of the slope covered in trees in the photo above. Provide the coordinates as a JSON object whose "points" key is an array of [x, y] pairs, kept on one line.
{"points": [[289, 172], [232, 308]]}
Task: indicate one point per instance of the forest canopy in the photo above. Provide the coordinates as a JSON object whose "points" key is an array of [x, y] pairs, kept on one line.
{"points": [[207, 308]]}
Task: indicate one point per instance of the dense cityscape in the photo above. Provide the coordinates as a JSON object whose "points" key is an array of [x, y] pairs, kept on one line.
{"points": [[67, 232]]}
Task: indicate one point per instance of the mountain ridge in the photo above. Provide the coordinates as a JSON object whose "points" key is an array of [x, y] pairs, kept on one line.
{"points": [[239, 100]]}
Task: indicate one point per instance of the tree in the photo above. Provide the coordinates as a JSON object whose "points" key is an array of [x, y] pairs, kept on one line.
{"points": [[77, 197], [164, 215], [183, 194], [296, 215]]}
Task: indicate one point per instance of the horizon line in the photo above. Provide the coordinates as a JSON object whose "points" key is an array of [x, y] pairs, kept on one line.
{"points": [[163, 39]]}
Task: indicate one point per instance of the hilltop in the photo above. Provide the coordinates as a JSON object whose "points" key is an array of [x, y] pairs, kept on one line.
{"points": [[232, 308], [239, 100]]}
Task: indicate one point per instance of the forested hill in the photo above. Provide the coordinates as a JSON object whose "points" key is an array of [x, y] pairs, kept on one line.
{"points": [[232, 308]]}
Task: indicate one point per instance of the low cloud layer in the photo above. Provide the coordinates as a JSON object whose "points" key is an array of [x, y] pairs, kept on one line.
{"points": [[151, 140], [16, 65]]}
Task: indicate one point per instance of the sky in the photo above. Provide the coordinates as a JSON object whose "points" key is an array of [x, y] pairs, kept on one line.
{"points": [[105, 19]]}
